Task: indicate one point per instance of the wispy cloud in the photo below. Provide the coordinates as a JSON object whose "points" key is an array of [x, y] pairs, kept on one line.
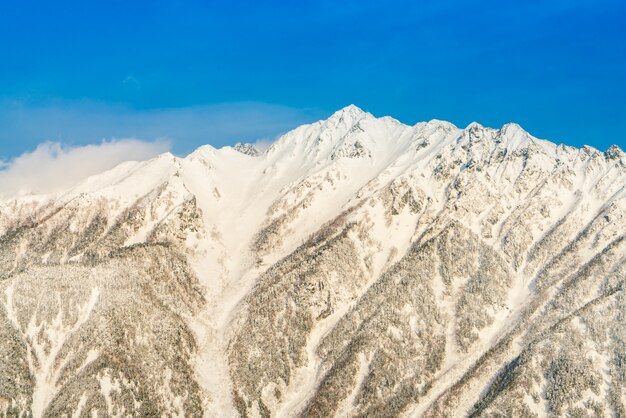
{"points": [[49, 147], [132, 81], [24, 125], [53, 166], [263, 144]]}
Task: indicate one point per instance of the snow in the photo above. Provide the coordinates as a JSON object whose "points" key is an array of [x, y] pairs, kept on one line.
{"points": [[303, 385], [45, 342], [47, 373], [79, 408], [106, 387], [347, 407]]}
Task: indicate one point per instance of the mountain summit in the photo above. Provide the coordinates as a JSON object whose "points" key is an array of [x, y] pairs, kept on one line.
{"points": [[357, 267]]}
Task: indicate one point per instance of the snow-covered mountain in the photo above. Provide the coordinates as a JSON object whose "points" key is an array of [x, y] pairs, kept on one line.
{"points": [[358, 267]]}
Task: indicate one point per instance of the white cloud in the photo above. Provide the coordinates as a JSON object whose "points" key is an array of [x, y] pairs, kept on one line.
{"points": [[53, 166], [24, 124], [263, 144]]}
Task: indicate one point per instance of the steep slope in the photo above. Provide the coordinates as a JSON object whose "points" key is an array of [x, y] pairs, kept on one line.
{"points": [[357, 267]]}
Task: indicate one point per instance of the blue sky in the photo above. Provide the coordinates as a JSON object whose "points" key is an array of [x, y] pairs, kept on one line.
{"points": [[219, 72]]}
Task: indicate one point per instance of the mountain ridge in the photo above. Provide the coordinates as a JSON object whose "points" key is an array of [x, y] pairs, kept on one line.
{"points": [[350, 115]]}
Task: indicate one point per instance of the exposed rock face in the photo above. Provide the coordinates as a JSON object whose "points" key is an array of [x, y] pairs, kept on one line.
{"points": [[358, 267], [248, 149]]}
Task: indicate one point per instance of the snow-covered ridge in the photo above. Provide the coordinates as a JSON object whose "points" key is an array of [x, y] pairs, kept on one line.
{"points": [[348, 133]]}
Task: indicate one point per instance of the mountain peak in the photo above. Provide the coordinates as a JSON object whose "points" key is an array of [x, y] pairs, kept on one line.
{"points": [[440, 123], [350, 114], [474, 125], [512, 127], [513, 132], [614, 152], [350, 109]]}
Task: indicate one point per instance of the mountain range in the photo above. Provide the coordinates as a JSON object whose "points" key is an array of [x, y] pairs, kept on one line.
{"points": [[356, 267]]}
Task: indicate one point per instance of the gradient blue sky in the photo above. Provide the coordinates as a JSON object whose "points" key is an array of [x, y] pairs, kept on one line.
{"points": [[220, 72]]}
